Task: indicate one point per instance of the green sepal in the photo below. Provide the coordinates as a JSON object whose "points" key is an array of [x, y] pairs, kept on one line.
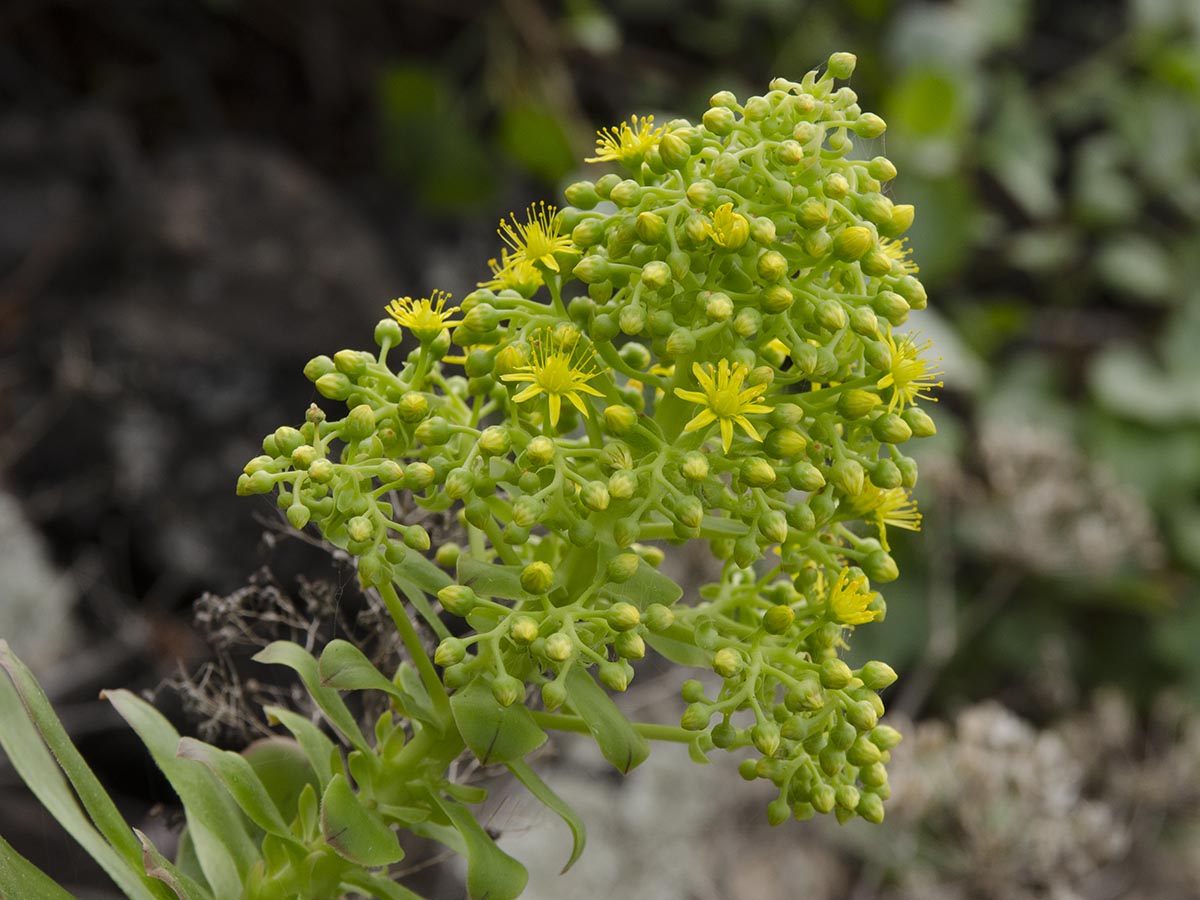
{"points": [[295, 657], [525, 774], [494, 733], [356, 833], [619, 742], [491, 873]]}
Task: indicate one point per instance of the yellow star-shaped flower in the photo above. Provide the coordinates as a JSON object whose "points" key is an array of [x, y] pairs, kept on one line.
{"points": [[535, 240], [909, 377], [426, 318], [849, 599], [558, 372], [627, 142], [724, 399]]}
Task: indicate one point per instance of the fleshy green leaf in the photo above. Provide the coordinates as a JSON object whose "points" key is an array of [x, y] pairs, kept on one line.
{"points": [[555, 804], [495, 733], [615, 735], [283, 767], [355, 832], [295, 657], [27, 750], [158, 866], [648, 585], [215, 828], [22, 880], [415, 699], [678, 652], [317, 747], [344, 667], [491, 873], [242, 782], [489, 579]]}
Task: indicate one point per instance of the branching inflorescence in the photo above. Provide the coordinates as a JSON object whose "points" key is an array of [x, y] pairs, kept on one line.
{"points": [[700, 348]]}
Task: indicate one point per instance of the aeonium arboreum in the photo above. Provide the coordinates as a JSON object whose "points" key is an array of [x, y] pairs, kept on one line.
{"points": [[700, 347]]}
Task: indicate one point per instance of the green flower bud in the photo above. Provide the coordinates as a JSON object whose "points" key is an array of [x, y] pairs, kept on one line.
{"points": [[614, 676], [773, 526], [823, 798], [582, 194], [806, 477], [433, 432], [523, 630], [784, 443], [891, 429], [656, 274], [416, 537], [622, 567], [727, 662], [847, 796], [559, 647], [765, 736], [619, 420], [690, 512], [447, 555], [831, 761], [885, 737], [673, 150], [912, 291], [696, 717], [317, 367], [450, 652], [624, 616], [659, 618], [853, 243], [877, 675], [870, 807], [298, 515], [629, 645], [680, 343], [831, 315], [650, 227], [591, 269], [813, 214], [778, 619], [841, 65], [835, 674], [288, 440], [334, 386], [857, 403], [605, 184], [352, 362], [758, 473], [507, 690], [537, 577], [861, 715], [881, 169], [692, 691], [554, 695], [458, 599], [418, 476], [626, 193], [918, 420], [695, 467], [360, 528], [595, 496], [413, 407], [836, 186], [892, 307], [879, 566], [864, 321], [886, 474], [747, 322], [805, 696], [719, 120], [494, 441], [876, 263], [725, 736], [862, 752], [900, 220], [848, 474]]}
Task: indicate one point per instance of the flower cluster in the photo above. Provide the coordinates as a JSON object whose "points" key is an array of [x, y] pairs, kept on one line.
{"points": [[702, 347]]}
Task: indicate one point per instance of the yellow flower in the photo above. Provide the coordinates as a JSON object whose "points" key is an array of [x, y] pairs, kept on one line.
{"points": [[728, 229], [515, 274], [910, 377], [849, 599], [724, 400], [627, 142], [883, 508], [901, 253], [426, 318], [557, 371], [537, 239]]}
